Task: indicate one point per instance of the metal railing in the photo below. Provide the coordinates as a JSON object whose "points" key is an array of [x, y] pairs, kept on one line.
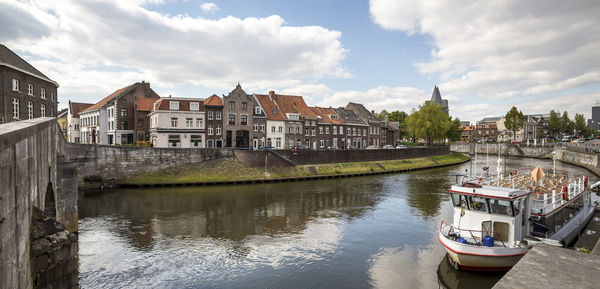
{"points": [[542, 204], [452, 229]]}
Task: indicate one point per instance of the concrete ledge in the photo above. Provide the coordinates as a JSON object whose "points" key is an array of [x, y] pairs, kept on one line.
{"points": [[546, 267], [292, 179], [14, 132]]}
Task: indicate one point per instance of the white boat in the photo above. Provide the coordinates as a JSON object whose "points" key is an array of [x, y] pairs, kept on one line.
{"points": [[497, 219]]}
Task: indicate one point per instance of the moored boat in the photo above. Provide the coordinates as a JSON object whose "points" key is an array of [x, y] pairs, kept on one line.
{"points": [[497, 219]]}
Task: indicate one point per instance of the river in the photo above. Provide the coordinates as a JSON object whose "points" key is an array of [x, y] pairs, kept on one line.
{"points": [[364, 232]]}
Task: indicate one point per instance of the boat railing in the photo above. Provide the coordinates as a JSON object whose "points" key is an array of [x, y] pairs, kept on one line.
{"points": [[447, 229], [544, 203]]}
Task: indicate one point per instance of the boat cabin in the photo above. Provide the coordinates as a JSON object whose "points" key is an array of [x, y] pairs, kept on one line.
{"points": [[481, 211]]}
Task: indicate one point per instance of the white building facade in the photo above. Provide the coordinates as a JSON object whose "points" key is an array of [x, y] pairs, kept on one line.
{"points": [[178, 123], [276, 134]]}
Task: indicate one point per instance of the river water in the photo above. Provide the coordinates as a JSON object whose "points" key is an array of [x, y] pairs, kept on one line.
{"points": [[365, 232]]}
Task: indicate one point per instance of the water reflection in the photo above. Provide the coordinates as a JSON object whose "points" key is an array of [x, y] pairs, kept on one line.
{"points": [[450, 278], [378, 232]]}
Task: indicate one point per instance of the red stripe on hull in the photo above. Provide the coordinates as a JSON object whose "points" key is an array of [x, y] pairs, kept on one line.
{"points": [[483, 269], [485, 255]]}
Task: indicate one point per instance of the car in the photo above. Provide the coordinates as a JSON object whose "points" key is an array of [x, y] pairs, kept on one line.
{"points": [[387, 147], [372, 148], [400, 147], [579, 140]]}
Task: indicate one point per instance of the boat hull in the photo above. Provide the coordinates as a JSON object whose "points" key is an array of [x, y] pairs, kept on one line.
{"points": [[481, 258]]}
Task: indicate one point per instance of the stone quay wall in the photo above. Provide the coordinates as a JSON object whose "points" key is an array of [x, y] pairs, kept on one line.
{"points": [[103, 163], [508, 149], [307, 157], [258, 159]]}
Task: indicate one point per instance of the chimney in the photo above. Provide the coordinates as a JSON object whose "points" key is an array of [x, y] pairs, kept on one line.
{"points": [[169, 96], [271, 95]]}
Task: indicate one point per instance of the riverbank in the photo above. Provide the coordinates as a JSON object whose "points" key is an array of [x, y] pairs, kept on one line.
{"points": [[231, 171]]}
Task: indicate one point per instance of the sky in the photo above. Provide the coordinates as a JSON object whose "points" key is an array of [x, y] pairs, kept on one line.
{"points": [[485, 56]]}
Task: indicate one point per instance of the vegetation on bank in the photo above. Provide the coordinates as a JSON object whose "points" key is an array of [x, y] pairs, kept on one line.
{"points": [[229, 169]]}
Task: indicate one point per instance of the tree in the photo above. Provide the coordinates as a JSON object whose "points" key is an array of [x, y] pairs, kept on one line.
{"points": [[431, 123], [580, 125], [399, 116], [513, 121], [554, 123], [383, 115], [567, 123]]}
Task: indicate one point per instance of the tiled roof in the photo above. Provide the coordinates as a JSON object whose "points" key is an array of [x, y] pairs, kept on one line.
{"points": [[490, 119], [145, 103], [349, 116], [213, 100], [325, 115], [110, 97], [293, 104], [9, 58], [270, 107], [76, 107], [184, 104], [362, 112]]}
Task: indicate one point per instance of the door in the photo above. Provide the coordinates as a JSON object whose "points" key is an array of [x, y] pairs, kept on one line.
{"points": [[228, 138], [242, 139]]}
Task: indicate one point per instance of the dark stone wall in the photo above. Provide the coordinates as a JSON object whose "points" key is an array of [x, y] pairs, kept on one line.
{"points": [[256, 159], [7, 94], [104, 163], [305, 157], [53, 253]]}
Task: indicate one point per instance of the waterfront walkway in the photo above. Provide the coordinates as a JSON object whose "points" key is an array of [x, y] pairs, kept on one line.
{"points": [[546, 267]]}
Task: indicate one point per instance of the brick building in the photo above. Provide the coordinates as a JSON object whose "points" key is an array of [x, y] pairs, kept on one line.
{"points": [[238, 111], [354, 131], [374, 130], [213, 107], [26, 92]]}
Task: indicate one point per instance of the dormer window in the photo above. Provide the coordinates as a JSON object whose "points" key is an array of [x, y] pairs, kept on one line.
{"points": [[333, 116], [257, 110], [195, 106], [173, 105]]}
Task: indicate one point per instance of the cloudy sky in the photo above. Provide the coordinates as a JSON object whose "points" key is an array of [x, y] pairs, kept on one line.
{"points": [[484, 55]]}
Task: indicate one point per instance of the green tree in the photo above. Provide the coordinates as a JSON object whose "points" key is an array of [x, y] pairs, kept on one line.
{"points": [[399, 116], [383, 115], [567, 123], [431, 123], [453, 131], [580, 125], [554, 123], [513, 121]]}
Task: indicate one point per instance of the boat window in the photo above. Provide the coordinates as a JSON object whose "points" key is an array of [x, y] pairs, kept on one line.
{"points": [[501, 230], [459, 200], [478, 204], [501, 207], [486, 229]]}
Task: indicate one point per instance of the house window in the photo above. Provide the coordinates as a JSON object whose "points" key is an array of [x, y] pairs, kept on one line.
{"points": [[173, 105], [15, 107], [174, 140], [359, 132], [307, 123], [15, 84], [244, 105], [255, 127], [290, 129], [232, 119], [320, 130], [262, 128], [209, 143], [297, 130], [306, 131], [313, 132], [349, 131], [195, 141], [321, 143], [30, 109], [280, 129], [30, 89], [173, 122], [244, 119], [42, 110], [272, 128], [218, 115], [43, 93], [257, 110], [335, 130], [210, 130], [123, 125], [195, 106], [210, 115], [218, 130], [364, 131], [353, 131], [199, 122], [232, 105], [123, 112], [278, 142], [52, 96], [140, 122], [189, 122]]}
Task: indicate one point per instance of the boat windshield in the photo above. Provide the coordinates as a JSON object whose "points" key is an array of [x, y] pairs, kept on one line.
{"points": [[459, 200], [501, 207], [478, 204]]}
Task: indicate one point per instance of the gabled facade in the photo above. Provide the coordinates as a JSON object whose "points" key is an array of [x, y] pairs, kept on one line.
{"points": [[374, 131], [275, 121], [25, 92], [214, 121], [238, 111], [354, 134], [330, 128], [116, 118], [73, 129], [177, 123]]}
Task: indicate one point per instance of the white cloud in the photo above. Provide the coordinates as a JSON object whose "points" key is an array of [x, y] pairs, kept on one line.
{"points": [[210, 7], [502, 50], [379, 98], [97, 47]]}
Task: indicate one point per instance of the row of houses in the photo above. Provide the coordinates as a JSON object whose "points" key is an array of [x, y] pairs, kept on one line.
{"points": [[136, 114], [493, 129]]}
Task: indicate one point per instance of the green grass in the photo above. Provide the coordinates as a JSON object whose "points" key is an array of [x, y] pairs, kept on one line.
{"points": [[229, 169]]}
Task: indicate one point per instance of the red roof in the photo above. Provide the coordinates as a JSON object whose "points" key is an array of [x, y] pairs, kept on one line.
{"points": [[325, 114], [77, 107], [145, 103], [105, 100], [213, 100], [271, 110], [184, 104], [292, 104]]}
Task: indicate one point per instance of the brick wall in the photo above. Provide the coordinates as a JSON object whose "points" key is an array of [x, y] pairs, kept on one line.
{"points": [[256, 159]]}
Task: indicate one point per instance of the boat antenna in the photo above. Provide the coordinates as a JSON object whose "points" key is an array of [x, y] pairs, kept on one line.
{"points": [[475, 172]]}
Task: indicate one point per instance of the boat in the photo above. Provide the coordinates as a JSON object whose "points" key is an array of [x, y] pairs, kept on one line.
{"points": [[497, 219]]}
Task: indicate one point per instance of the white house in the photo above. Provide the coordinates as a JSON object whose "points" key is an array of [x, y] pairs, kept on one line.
{"points": [[73, 131], [178, 122], [275, 126]]}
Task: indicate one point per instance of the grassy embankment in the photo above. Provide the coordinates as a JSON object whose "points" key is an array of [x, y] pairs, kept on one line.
{"points": [[229, 169]]}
